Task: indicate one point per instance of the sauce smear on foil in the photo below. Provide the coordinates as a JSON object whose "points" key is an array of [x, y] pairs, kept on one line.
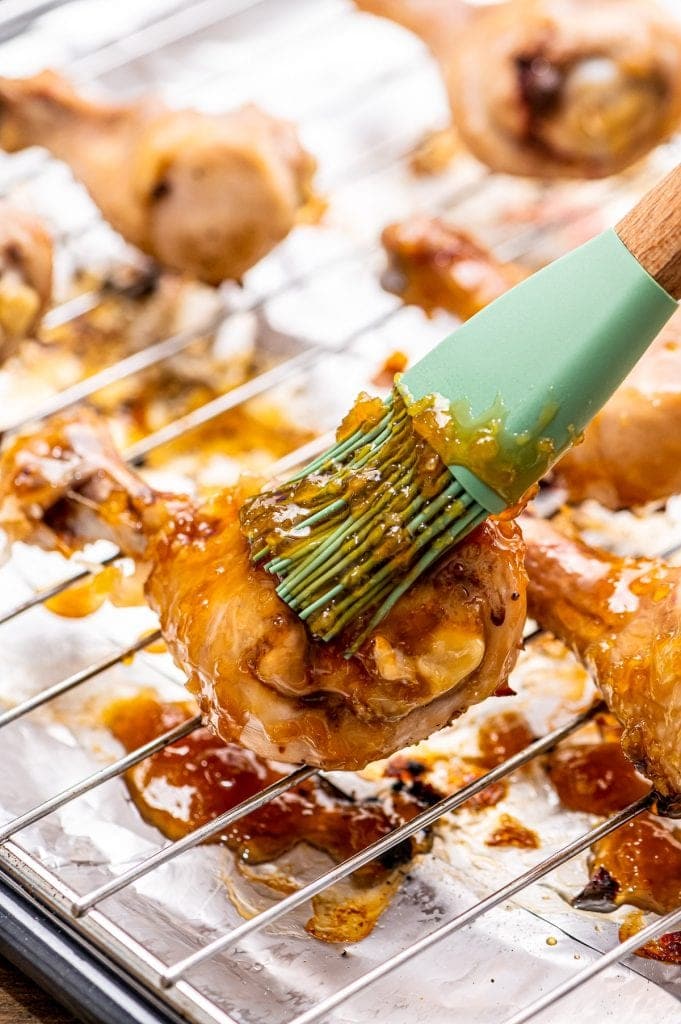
{"points": [[196, 779]]}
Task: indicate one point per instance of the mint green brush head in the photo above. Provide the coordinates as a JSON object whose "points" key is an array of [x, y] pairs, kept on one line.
{"points": [[470, 428]]}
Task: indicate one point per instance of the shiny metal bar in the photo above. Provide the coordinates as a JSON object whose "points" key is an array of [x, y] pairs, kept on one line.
{"points": [[336, 874], [71, 309], [545, 867], [652, 931], [217, 406], [97, 778], [199, 835], [157, 351], [306, 453], [71, 682], [181, 23]]}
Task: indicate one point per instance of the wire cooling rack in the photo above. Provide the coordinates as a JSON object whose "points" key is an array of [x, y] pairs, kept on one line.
{"points": [[213, 54]]}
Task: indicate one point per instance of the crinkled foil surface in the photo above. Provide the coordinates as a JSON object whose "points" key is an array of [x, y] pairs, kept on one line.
{"points": [[364, 93]]}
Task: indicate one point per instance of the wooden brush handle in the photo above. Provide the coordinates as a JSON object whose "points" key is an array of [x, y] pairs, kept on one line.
{"points": [[652, 232]]}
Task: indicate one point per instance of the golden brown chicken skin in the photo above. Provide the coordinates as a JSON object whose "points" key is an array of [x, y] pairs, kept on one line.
{"points": [[435, 265], [261, 679], [553, 88], [622, 617], [631, 452], [25, 275], [208, 195]]}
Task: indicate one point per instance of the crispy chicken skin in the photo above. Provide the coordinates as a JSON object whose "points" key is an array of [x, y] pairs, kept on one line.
{"points": [[622, 617], [261, 679], [434, 265], [208, 195], [553, 88], [631, 452], [25, 275]]}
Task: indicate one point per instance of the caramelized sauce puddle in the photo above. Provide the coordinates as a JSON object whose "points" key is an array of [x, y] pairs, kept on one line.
{"points": [[194, 780], [639, 864]]}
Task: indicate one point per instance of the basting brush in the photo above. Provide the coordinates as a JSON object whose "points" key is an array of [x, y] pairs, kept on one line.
{"points": [[470, 428]]}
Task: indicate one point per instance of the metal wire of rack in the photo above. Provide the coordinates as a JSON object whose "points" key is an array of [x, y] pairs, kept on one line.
{"points": [[84, 911]]}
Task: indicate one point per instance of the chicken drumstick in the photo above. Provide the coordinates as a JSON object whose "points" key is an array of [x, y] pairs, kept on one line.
{"points": [[25, 276], [622, 617], [631, 452], [261, 679], [206, 195], [553, 88]]}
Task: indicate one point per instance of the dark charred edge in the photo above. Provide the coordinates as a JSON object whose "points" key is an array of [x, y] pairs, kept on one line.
{"points": [[599, 894]]}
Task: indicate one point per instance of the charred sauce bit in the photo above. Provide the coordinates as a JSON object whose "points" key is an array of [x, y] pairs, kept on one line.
{"points": [[194, 780], [413, 777], [638, 864], [499, 737], [511, 832]]}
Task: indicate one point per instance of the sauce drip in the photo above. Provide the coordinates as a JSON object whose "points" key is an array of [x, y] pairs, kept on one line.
{"points": [[87, 597], [595, 777], [503, 735], [667, 948], [638, 864], [194, 780], [108, 584]]}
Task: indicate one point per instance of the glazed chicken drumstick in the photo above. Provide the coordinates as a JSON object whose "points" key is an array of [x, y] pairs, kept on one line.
{"points": [[25, 276], [622, 617], [205, 194], [553, 88], [261, 679]]}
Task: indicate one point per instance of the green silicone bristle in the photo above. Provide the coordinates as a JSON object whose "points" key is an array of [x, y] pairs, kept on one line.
{"points": [[340, 558], [497, 402]]}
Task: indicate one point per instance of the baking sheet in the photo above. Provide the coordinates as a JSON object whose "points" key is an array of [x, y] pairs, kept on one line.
{"points": [[375, 95]]}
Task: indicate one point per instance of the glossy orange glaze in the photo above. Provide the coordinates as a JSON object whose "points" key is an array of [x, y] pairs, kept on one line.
{"points": [[622, 617], [503, 735], [261, 678], [84, 598], [643, 858], [265, 682], [434, 265], [595, 777], [639, 864], [196, 779]]}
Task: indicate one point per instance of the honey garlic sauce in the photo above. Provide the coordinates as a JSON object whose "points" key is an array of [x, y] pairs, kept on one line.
{"points": [[503, 735], [643, 861], [595, 778], [194, 780]]}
